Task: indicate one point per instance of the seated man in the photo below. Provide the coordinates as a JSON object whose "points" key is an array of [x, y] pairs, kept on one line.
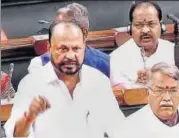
{"points": [[128, 63], [160, 118], [65, 98], [93, 57]]}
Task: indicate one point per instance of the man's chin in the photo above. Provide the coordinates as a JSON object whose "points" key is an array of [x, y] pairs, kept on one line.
{"points": [[146, 44], [69, 72], [166, 113]]}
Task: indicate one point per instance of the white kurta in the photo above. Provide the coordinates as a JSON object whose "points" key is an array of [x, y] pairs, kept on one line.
{"points": [[144, 124], [35, 64], [92, 111], [127, 60]]}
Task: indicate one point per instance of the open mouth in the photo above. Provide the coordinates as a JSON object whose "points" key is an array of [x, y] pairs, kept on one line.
{"points": [[146, 38]]}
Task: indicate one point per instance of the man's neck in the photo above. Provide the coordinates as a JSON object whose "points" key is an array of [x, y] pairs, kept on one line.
{"points": [[70, 81], [151, 51]]}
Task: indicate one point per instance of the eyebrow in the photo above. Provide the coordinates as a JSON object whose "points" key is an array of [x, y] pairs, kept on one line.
{"points": [[174, 87], [153, 21]]}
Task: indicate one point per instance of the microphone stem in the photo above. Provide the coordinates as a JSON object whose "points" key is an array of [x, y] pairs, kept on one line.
{"points": [[143, 57]]}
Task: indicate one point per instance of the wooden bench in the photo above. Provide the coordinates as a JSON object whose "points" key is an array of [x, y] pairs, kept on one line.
{"points": [[104, 39]]}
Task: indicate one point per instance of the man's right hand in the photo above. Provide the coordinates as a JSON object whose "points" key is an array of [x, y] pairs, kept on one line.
{"points": [[37, 106], [142, 76]]}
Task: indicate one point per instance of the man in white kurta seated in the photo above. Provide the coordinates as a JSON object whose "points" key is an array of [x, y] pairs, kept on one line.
{"points": [[130, 61], [65, 98], [160, 118]]}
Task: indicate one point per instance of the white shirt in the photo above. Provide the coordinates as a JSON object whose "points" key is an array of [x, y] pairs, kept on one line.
{"points": [[92, 111], [127, 60], [144, 124], [35, 64]]}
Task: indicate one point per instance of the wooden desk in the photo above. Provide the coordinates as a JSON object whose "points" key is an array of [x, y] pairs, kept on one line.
{"points": [[136, 96]]}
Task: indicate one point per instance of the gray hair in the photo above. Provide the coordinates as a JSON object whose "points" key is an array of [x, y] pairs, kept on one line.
{"points": [[80, 11], [76, 13], [167, 69]]}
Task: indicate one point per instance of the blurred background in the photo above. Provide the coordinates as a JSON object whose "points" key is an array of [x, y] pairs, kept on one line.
{"points": [[19, 18]]}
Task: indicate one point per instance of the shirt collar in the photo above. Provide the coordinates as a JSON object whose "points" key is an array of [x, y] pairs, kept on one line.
{"points": [[158, 50]]}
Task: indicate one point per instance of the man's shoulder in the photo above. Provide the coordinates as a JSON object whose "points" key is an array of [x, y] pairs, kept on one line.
{"points": [[35, 63], [37, 74], [33, 77], [93, 74], [36, 60], [97, 59], [92, 52], [140, 116], [166, 43], [123, 48]]}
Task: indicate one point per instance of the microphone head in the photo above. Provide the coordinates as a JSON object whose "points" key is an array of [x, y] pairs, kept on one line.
{"points": [[11, 69], [173, 18], [43, 22], [169, 15]]}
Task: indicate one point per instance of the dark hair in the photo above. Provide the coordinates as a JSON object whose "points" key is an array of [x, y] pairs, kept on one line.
{"points": [[55, 23], [150, 3]]}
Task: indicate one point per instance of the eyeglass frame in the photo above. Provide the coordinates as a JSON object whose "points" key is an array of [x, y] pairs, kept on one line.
{"points": [[164, 92]]}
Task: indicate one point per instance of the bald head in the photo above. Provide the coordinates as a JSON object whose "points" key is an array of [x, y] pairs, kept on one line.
{"points": [[66, 31]]}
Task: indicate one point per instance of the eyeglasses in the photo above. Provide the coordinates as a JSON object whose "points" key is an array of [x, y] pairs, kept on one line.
{"points": [[141, 25], [162, 92]]}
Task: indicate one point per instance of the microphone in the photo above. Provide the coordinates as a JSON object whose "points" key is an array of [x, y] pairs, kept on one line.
{"points": [[11, 69], [173, 18], [143, 56], [43, 22]]}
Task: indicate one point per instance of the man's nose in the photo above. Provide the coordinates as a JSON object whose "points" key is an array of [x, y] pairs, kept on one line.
{"points": [[145, 29], [70, 54], [167, 96]]}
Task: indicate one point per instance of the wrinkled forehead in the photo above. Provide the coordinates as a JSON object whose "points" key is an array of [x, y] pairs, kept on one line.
{"points": [[145, 14]]}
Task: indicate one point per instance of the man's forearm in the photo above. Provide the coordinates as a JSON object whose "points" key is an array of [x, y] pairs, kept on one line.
{"points": [[22, 127]]}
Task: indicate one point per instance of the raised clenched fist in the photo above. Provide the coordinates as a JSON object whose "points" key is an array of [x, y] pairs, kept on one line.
{"points": [[37, 106]]}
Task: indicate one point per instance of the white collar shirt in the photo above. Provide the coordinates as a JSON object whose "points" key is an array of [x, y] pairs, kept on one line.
{"points": [[127, 60], [144, 124], [92, 111]]}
